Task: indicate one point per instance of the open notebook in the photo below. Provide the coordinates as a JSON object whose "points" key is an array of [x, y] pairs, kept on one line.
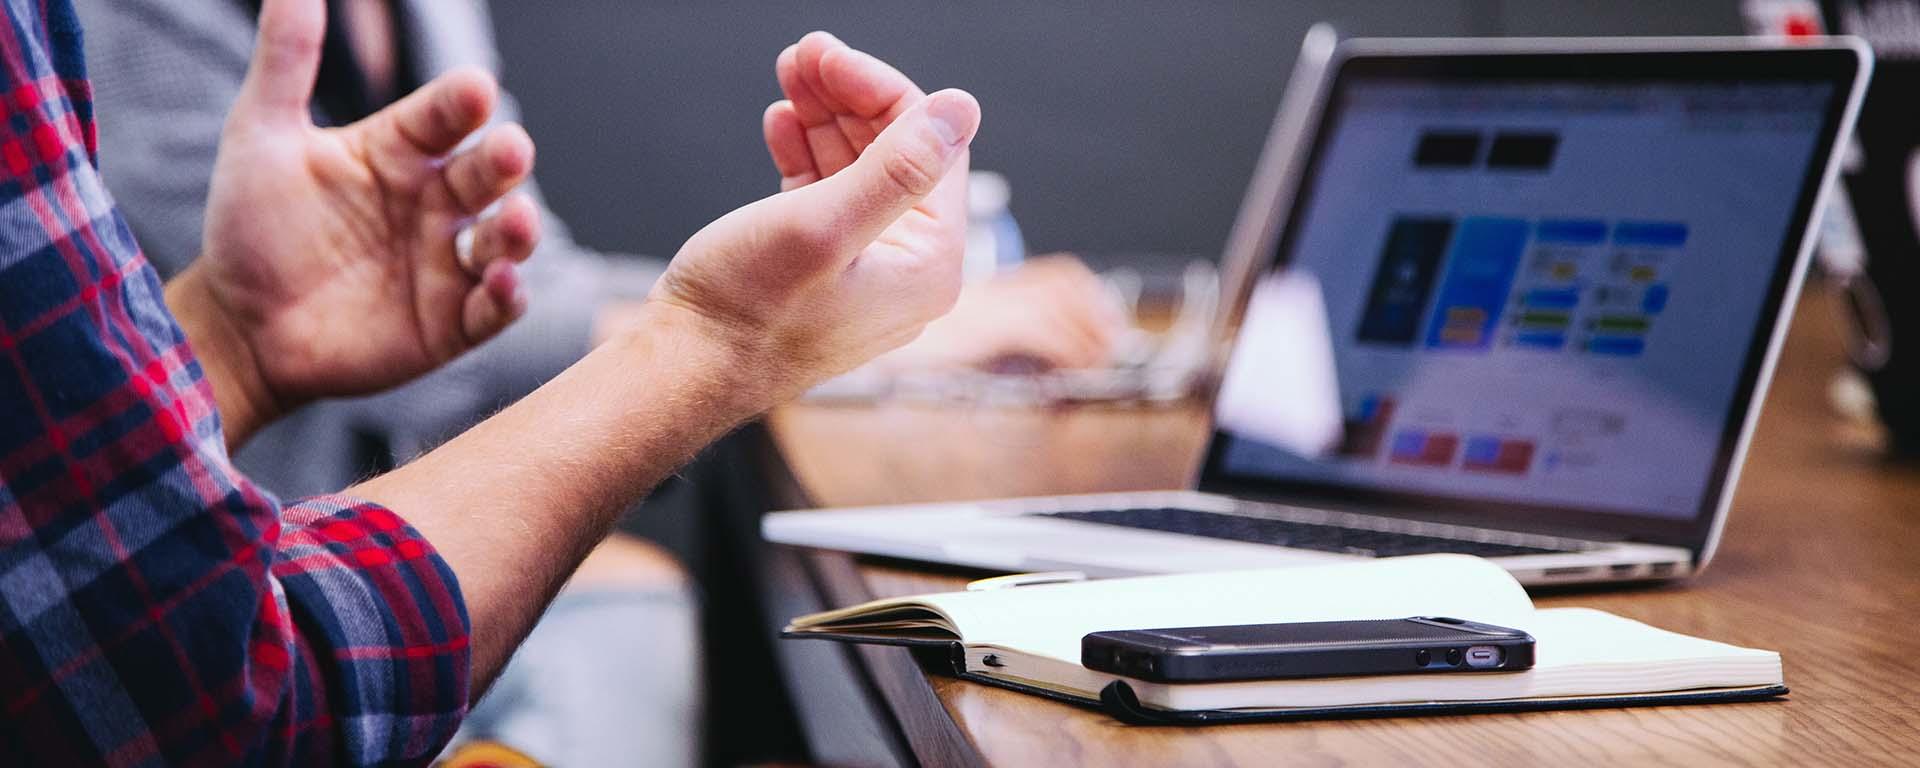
{"points": [[1029, 638]]}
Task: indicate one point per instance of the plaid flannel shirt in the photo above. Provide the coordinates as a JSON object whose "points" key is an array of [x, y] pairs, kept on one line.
{"points": [[156, 607]]}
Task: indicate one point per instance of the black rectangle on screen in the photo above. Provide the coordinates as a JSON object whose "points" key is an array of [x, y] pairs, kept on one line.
{"points": [[1447, 149], [1523, 151], [1403, 283]]}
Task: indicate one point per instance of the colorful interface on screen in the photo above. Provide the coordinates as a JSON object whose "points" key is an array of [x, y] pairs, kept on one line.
{"points": [[1544, 292]]}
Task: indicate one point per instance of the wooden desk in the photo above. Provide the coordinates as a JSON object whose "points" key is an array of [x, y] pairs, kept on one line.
{"points": [[1820, 561]]}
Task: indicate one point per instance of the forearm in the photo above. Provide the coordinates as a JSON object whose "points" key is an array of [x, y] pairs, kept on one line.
{"points": [[242, 396], [515, 503]]}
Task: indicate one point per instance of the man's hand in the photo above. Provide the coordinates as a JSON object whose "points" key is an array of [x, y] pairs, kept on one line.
{"points": [[860, 249], [330, 262], [852, 259]]}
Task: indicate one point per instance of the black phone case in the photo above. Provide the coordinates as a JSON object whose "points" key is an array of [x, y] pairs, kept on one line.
{"points": [[1418, 645]]}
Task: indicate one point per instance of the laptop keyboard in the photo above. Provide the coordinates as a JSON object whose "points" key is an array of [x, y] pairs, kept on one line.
{"points": [[1287, 533]]}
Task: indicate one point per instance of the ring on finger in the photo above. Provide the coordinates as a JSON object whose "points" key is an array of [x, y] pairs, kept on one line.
{"points": [[463, 251]]}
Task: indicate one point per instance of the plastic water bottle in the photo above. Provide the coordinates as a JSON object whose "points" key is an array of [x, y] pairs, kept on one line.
{"points": [[993, 237]]}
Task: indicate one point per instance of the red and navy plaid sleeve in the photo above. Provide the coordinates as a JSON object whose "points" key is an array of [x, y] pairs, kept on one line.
{"points": [[155, 607]]}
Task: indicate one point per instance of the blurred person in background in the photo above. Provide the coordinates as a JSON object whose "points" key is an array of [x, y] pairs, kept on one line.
{"points": [[165, 73]]}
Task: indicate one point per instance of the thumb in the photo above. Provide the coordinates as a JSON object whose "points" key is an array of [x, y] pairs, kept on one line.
{"points": [[286, 59], [902, 166]]}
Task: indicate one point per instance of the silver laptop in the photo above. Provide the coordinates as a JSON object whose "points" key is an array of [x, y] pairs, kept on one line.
{"points": [[1517, 299]]}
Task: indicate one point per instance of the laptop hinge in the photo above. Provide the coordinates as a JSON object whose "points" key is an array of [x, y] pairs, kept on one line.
{"points": [[1438, 516]]}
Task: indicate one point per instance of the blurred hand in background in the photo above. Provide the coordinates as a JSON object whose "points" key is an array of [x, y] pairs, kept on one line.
{"points": [[1049, 313]]}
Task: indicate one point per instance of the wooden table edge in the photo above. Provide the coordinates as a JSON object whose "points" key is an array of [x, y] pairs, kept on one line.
{"points": [[903, 679]]}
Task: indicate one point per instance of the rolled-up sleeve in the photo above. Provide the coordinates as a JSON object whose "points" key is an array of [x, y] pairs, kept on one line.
{"points": [[379, 627]]}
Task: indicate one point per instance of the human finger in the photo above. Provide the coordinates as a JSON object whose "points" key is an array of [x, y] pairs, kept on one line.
{"points": [[866, 86], [808, 53], [499, 299], [787, 144], [435, 118], [909, 162], [286, 60], [829, 145], [807, 105], [510, 234], [479, 176]]}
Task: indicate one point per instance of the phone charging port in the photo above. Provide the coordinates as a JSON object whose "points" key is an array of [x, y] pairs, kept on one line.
{"points": [[1484, 656]]}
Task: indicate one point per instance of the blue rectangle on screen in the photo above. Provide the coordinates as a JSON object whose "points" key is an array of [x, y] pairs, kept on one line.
{"points": [[1655, 299], [1552, 298], [1369, 407], [1483, 450], [1480, 269], [1621, 346], [1409, 444], [1572, 231], [1540, 340], [1651, 234]]}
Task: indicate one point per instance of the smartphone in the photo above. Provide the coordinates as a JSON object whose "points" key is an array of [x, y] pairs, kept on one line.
{"points": [[1422, 644]]}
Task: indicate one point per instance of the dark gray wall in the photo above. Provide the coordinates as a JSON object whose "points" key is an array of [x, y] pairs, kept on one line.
{"points": [[1124, 126]]}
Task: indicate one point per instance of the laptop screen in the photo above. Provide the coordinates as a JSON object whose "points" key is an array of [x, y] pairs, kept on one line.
{"points": [[1532, 292]]}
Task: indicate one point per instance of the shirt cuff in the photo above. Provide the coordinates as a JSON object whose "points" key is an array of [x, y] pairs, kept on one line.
{"points": [[385, 624]]}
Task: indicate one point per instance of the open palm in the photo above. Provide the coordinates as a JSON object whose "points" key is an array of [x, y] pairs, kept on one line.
{"points": [[333, 251]]}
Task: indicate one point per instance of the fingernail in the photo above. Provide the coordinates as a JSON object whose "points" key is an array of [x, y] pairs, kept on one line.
{"points": [[500, 279], [951, 116], [514, 288]]}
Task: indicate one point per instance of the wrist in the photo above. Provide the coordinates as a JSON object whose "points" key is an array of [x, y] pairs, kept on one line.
{"points": [[721, 361], [241, 393], [615, 317]]}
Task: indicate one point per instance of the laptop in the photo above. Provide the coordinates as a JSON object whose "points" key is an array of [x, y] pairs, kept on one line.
{"points": [[1518, 299]]}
